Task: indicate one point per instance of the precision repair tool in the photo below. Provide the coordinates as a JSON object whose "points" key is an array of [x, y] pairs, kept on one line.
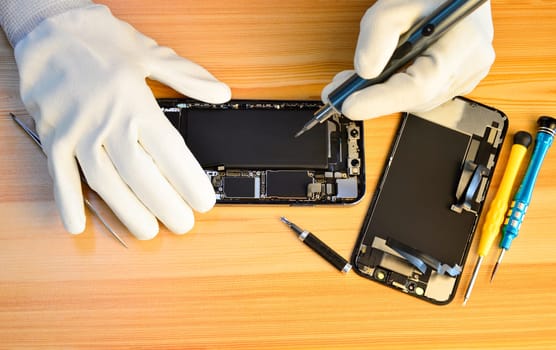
{"points": [[499, 205], [320, 247], [93, 210], [415, 41], [522, 199]]}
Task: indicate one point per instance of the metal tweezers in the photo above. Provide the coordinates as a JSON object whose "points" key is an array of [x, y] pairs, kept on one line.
{"points": [[93, 210]]}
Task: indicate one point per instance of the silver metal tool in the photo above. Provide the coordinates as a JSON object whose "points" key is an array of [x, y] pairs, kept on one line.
{"points": [[93, 210]]}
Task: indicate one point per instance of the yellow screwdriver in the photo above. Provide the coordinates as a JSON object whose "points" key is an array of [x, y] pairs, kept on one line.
{"points": [[499, 206]]}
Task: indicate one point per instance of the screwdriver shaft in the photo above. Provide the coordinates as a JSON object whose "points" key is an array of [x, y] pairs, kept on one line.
{"points": [[500, 257], [473, 279]]}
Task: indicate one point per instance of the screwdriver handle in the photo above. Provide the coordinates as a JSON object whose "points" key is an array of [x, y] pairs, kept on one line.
{"points": [[543, 141], [499, 205]]}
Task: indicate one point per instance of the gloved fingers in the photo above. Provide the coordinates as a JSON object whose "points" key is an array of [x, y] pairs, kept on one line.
{"points": [[402, 92], [139, 171], [471, 83], [380, 31], [104, 179], [186, 76], [64, 171], [463, 51], [446, 69], [479, 23], [174, 159], [461, 88], [432, 76], [336, 81], [464, 66]]}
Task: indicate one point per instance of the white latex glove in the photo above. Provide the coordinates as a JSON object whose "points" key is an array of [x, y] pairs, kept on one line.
{"points": [[452, 66], [83, 81]]}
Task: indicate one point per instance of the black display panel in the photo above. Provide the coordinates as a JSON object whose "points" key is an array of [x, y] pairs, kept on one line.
{"points": [[421, 221]]}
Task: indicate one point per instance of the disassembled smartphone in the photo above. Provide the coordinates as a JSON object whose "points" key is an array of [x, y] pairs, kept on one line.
{"points": [[249, 152], [421, 221]]}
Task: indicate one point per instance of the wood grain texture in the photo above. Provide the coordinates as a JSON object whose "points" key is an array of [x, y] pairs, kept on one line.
{"points": [[240, 279]]}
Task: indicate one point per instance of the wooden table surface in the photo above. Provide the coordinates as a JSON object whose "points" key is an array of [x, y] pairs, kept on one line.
{"points": [[240, 279]]}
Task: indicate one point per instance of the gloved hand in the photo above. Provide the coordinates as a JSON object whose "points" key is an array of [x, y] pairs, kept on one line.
{"points": [[452, 66], [83, 81]]}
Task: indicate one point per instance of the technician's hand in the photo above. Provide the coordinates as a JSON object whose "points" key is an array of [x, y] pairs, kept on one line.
{"points": [[452, 66], [83, 80]]}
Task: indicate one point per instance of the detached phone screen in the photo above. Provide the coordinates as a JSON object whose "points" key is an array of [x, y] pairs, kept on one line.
{"points": [[414, 203], [421, 221]]}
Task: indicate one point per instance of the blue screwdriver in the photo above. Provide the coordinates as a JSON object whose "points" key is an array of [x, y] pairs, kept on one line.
{"points": [[516, 213]]}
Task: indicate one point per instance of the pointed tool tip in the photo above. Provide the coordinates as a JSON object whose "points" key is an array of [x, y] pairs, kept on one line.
{"points": [[494, 272], [497, 265], [299, 133], [16, 119]]}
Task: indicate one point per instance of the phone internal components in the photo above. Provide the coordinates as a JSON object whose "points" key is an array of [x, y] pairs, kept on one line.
{"points": [[250, 154]]}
